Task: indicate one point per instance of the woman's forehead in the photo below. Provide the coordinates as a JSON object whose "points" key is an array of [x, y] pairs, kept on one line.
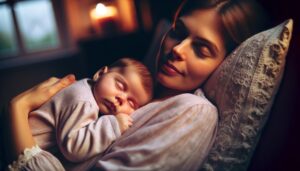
{"points": [[205, 24]]}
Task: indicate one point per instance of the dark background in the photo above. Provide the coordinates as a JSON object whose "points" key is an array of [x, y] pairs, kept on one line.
{"points": [[278, 148], [279, 145]]}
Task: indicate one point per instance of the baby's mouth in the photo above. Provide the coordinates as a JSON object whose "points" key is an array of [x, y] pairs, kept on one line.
{"points": [[111, 106]]}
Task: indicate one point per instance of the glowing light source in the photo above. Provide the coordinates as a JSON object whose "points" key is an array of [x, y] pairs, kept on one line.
{"points": [[102, 11], [113, 17]]}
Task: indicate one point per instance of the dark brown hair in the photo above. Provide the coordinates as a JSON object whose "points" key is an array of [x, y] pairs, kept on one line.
{"points": [[240, 18], [141, 69]]}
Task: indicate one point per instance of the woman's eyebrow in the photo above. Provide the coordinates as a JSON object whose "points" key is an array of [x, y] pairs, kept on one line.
{"points": [[211, 46]]}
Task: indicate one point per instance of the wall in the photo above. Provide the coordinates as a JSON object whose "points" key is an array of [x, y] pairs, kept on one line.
{"points": [[279, 145], [17, 78]]}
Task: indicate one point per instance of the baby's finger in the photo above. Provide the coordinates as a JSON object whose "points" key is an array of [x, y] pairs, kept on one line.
{"points": [[130, 118]]}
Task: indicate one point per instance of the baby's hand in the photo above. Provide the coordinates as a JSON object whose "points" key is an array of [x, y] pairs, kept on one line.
{"points": [[125, 121]]}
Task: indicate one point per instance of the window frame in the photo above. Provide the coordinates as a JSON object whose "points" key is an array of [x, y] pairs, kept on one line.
{"points": [[61, 27]]}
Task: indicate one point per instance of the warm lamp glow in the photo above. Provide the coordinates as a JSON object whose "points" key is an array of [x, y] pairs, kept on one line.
{"points": [[114, 17], [102, 11]]}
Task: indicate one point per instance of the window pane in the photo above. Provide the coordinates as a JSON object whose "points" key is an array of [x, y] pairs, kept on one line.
{"points": [[8, 44], [37, 24]]}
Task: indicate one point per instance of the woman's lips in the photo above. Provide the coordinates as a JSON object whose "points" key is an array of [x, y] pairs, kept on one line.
{"points": [[170, 69]]}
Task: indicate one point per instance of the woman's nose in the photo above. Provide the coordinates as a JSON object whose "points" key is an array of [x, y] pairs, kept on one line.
{"points": [[179, 50]]}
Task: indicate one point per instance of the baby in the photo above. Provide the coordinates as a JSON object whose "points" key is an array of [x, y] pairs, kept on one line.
{"points": [[83, 119]]}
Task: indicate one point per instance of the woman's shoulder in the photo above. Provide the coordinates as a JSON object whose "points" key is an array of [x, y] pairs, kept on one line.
{"points": [[177, 105], [197, 103], [197, 97]]}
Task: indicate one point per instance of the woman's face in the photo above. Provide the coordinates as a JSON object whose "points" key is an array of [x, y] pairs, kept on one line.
{"points": [[191, 50]]}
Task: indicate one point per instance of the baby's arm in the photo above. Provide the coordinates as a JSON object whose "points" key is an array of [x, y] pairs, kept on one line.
{"points": [[81, 136]]}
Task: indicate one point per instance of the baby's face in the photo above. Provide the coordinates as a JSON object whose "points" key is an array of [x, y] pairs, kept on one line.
{"points": [[120, 90]]}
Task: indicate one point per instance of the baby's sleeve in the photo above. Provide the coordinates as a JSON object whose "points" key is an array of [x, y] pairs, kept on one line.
{"points": [[36, 159], [82, 134]]}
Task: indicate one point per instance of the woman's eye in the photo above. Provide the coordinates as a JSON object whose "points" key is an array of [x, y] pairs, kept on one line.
{"points": [[120, 85], [202, 50]]}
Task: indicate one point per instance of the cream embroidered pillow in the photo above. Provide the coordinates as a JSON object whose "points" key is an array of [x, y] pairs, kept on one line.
{"points": [[243, 89]]}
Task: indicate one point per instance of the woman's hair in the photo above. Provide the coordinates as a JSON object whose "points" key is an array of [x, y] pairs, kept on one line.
{"points": [[141, 69], [240, 18]]}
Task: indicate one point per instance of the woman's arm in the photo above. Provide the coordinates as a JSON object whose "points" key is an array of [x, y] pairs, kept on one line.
{"points": [[19, 132]]}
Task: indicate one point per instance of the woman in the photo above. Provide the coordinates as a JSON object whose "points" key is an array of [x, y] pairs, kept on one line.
{"points": [[176, 130]]}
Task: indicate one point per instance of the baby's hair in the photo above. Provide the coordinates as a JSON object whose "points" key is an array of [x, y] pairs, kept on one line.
{"points": [[142, 70]]}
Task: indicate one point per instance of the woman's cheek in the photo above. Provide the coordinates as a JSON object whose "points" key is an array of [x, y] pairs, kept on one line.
{"points": [[207, 67], [197, 74]]}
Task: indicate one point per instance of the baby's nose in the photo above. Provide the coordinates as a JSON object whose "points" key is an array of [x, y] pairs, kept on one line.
{"points": [[120, 99]]}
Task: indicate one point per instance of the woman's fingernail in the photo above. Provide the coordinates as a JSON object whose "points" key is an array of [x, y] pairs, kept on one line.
{"points": [[71, 77]]}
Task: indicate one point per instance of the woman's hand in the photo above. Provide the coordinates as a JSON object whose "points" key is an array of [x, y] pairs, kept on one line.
{"points": [[18, 134], [39, 94]]}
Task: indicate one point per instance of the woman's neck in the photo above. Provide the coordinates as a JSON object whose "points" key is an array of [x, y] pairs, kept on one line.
{"points": [[162, 92]]}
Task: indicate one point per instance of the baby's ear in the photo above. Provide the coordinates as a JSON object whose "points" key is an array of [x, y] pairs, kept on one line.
{"points": [[100, 72]]}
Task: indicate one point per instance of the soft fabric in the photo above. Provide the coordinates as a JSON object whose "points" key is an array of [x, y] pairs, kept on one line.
{"points": [[174, 134], [43, 162], [243, 89], [70, 121]]}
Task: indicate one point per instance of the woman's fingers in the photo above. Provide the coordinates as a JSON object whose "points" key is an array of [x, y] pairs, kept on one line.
{"points": [[58, 84], [52, 86], [48, 82], [36, 96], [21, 105]]}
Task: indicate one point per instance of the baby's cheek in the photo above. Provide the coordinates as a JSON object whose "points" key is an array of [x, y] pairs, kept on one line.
{"points": [[105, 89]]}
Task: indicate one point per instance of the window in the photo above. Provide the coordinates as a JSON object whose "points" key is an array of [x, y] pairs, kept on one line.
{"points": [[27, 27], [8, 42]]}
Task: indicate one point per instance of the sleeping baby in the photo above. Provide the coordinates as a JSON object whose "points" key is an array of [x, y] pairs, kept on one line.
{"points": [[82, 120]]}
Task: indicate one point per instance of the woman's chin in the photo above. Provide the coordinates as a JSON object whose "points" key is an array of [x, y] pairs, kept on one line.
{"points": [[173, 84], [168, 82], [163, 80]]}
